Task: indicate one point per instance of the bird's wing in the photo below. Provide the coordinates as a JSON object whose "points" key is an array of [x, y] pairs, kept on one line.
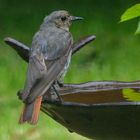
{"points": [[46, 66], [36, 69], [47, 80]]}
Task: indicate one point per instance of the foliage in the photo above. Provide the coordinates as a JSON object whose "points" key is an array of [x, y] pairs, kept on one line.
{"points": [[131, 13], [138, 28], [131, 95]]}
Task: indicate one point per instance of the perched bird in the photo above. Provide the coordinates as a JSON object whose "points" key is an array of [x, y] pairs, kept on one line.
{"points": [[49, 59]]}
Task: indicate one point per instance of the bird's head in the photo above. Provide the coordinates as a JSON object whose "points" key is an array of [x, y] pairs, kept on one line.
{"points": [[61, 19]]}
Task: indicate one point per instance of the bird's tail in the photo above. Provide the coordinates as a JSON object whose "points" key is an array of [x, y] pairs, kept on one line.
{"points": [[30, 112]]}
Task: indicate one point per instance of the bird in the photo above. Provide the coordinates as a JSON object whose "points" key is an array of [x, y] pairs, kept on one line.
{"points": [[49, 59]]}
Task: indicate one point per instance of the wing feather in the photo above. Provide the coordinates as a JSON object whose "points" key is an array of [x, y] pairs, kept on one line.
{"points": [[49, 77], [36, 70]]}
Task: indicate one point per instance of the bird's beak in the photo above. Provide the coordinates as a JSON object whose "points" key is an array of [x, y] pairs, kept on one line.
{"points": [[73, 18]]}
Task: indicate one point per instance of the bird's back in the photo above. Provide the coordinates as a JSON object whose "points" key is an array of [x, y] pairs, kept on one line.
{"points": [[52, 42]]}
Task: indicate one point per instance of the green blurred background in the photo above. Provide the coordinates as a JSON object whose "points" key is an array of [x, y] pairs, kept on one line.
{"points": [[113, 56]]}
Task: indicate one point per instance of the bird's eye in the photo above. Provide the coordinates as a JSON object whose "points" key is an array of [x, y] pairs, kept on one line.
{"points": [[63, 18]]}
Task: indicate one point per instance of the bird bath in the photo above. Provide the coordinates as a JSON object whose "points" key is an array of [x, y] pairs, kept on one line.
{"points": [[105, 110]]}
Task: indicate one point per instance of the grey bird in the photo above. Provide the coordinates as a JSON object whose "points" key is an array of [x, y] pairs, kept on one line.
{"points": [[49, 59]]}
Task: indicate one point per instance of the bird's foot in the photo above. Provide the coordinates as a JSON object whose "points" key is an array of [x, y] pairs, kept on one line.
{"points": [[57, 94]]}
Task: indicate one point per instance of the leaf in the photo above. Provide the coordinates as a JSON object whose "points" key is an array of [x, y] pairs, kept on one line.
{"points": [[131, 13], [138, 29], [131, 95]]}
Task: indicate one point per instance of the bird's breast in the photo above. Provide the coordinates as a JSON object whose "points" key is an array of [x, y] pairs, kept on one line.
{"points": [[64, 70]]}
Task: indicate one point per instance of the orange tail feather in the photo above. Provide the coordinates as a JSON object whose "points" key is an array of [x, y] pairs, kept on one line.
{"points": [[30, 112], [36, 110]]}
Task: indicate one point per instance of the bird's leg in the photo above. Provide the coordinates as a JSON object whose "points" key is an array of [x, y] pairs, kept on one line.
{"points": [[60, 83], [56, 92]]}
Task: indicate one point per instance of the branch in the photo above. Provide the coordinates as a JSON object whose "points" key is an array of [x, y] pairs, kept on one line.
{"points": [[19, 47], [82, 42], [96, 92], [23, 50]]}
